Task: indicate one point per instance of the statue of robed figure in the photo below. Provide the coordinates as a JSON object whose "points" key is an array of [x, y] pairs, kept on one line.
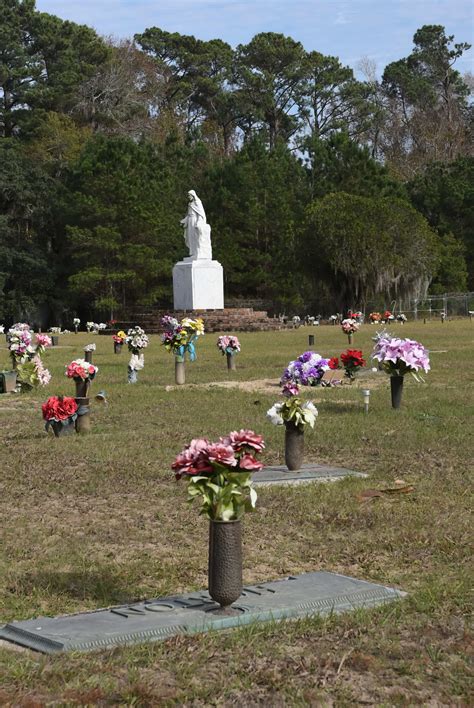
{"points": [[197, 232]]}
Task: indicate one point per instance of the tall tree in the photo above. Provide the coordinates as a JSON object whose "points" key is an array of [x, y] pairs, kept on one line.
{"points": [[192, 73], [427, 114], [27, 271], [268, 75], [444, 193], [43, 59], [371, 246]]}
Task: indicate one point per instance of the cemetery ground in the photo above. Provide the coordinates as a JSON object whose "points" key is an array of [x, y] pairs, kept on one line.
{"points": [[99, 520]]}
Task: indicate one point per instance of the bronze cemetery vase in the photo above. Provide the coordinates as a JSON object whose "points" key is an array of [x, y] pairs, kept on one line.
{"points": [[225, 563], [294, 446]]}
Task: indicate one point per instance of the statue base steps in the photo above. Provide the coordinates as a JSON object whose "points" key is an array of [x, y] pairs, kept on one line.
{"points": [[225, 320]]}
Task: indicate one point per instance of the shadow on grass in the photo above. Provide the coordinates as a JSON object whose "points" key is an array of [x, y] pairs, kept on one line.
{"points": [[104, 585]]}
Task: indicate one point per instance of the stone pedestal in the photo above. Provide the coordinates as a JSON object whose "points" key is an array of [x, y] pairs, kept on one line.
{"points": [[198, 284]]}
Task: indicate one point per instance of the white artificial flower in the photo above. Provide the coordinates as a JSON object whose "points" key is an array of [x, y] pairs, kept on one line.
{"points": [[273, 414], [310, 413]]}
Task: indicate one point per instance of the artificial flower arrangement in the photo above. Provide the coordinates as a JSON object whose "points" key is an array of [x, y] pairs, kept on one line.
{"points": [[2, 329], [375, 317], [76, 322], [59, 412], [26, 356], [90, 347], [352, 361], [293, 410], [120, 337], [180, 337], [402, 318], [307, 370], [388, 316], [349, 325], [81, 370], [136, 339], [220, 473], [228, 344], [401, 356], [91, 326]]}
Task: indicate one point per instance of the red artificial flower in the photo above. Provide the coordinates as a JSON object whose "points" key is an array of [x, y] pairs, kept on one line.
{"points": [[353, 357], [333, 362], [59, 408]]}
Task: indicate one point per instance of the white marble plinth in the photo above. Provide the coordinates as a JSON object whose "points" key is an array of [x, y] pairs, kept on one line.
{"points": [[198, 285]]}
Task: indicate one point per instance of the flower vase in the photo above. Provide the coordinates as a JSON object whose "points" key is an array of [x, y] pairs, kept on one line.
{"points": [[225, 563], [88, 357], [76, 328], [396, 387], [60, 429], [132, 375], [230, 361], [179, 371], [294, 446], [83, 423], [350, 337], [117, 348], [82, 388]]}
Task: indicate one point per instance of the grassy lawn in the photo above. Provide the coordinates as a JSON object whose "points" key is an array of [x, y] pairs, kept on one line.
{"points": [[99, 520]]}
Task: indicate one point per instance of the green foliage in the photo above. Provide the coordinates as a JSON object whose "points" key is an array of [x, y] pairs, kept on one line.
{"points": [[256, 203], [444, 193], [25, 273], [225, 495], [377, 245]]}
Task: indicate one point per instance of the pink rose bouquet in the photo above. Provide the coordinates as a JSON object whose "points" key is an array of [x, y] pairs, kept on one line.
{"points": [[81, 370], [220, 473], [228, 344], [350, 325]]}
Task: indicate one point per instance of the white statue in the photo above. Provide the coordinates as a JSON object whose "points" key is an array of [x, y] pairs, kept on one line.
{"points": [[197, 233]]}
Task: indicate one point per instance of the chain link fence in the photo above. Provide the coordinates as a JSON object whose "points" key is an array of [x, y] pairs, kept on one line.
{"points": [[431, 307]]}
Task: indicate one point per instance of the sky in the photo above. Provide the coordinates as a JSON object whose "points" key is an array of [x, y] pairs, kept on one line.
{"points": [[381, 30]]}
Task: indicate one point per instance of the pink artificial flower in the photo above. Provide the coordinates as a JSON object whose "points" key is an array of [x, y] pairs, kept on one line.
{"points": [[193, 459], [244, 438], [290, 389], [222, 454], [248, 462], [42, 340]]}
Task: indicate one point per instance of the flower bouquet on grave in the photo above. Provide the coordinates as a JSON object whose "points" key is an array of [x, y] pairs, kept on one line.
{"points": [[136, 340], [118, 340], [402, 318], [89, 349], [387, 317], [76, 322], [219, 473], [349, 326], [295, 415], [82, 372], [307, 370], [179, 338], [375, 317], [229, 346], [60, 413], [26, 356], [399, 357], [352, 361]]}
